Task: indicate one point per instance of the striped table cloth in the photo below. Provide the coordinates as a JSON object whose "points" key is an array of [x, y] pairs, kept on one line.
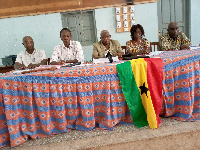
{"points": [[42, 104], [181, 85]]}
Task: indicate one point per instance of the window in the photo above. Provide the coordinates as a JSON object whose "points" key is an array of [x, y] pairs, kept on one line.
{"points": [[81, 24]]}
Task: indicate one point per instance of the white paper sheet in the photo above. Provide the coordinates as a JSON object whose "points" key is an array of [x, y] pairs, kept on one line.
{"points": [[20, 71], [124, 10], [117, 10], [125, 24], [48, 66], [132, 9], [194, 47], [132, 16], [125, 17], [155, 53], [118, 24], [104, 60], [118, 17]]}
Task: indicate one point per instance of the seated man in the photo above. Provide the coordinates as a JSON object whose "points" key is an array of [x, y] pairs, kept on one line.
{"points": [[31, 57], [67, 52], [174, 40], [106, 44]]}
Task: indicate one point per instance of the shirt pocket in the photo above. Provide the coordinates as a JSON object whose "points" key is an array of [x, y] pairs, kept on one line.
{"points": [[113, 52], [101, 54]]}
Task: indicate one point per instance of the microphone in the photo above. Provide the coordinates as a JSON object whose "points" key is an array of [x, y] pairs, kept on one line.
{"points": [[109, 56]]}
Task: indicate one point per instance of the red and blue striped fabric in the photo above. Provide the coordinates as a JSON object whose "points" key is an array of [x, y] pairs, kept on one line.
{"points": [[41, 104], [181, 85]]}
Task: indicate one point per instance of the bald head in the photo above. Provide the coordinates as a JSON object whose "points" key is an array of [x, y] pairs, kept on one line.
{"points": [[25, 38], [105, 37], [173, 30], [172, 24], [103, 32], [28, 43]]}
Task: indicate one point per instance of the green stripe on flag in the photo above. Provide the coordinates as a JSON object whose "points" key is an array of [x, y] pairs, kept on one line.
{"points": [[132, 94]]}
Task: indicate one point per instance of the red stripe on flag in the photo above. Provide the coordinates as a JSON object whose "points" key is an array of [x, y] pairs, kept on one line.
{"points": [[154, 80]]}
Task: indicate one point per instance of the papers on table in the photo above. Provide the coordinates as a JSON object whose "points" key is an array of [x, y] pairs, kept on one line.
{"points": [[104, 60], [194, 47], [20, 71], [155, 53], [48, 66], [37, 68]]}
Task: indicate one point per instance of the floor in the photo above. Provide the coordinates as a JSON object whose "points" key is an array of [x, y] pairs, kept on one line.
{"points": [[171, 134]]}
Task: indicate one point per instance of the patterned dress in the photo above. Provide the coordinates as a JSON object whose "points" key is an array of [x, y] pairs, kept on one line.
{"points": [[166, 43], [137, 48]]}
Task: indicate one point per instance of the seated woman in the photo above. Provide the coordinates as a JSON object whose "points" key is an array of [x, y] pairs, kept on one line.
{"points": [[138, 45], [101, 48]]}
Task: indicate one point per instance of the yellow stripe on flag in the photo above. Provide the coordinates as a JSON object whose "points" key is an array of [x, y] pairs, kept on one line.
{"points": [[139, 68]]}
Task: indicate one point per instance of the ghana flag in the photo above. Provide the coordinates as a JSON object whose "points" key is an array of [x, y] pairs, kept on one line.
{"points": [[141, 82]]}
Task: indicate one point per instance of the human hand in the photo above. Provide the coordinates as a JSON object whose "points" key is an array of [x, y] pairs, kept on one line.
{"points": [[31, 66], [146, 50], [62, 62], [185, 47], [120, 54], [140, 52], [22, 66]]}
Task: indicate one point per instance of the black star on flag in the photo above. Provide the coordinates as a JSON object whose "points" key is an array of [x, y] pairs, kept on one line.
{"points": [[144, 89]]}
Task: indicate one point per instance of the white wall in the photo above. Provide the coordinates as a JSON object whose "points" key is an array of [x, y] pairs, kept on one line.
{"points": [[45, 29], [195, 22], [148, 19]]}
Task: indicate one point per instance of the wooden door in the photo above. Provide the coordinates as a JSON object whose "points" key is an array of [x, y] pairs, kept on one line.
{"points": [[173, 11], [81, 25]]}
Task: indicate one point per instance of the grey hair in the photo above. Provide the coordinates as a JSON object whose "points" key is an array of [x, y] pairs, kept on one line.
{"points": [[24, 38], [103, 32]]}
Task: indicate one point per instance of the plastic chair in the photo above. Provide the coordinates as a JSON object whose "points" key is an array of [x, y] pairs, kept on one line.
{"points": [[154, 46], [124, 49]]}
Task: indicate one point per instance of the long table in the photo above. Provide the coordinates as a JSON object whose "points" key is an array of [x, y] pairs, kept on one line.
{"points": [[51, 102], [181, 85], [4, 69], [42, 104]]}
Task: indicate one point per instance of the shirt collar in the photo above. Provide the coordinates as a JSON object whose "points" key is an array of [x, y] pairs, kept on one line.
{"points": [[169, 38], [104, 46], [29, 53], [70, 45]]}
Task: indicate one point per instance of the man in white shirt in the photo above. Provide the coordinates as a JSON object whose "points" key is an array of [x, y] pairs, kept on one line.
{"points": [[67, 52], [31, 57]]}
